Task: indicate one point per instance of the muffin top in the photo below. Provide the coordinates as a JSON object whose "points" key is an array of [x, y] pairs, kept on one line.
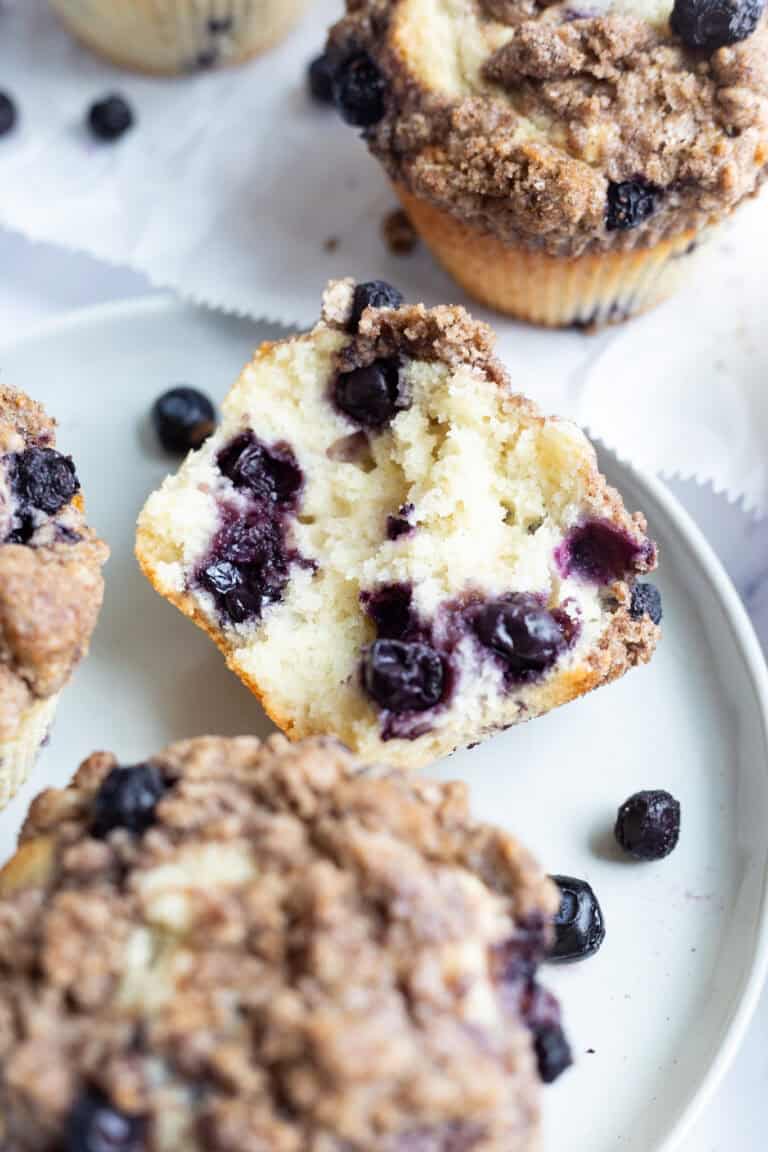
{"points": [[568, 127], [50, 562], [263, 946]]}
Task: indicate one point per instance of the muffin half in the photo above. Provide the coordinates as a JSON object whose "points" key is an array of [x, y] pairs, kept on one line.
{"points": [[170, 36], [389, 545], [50, 582], [247, 946], [562, 161]]}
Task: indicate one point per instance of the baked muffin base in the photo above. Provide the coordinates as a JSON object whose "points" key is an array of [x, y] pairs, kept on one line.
{"points": [[584, 291], [168, 38], [18, 756]]}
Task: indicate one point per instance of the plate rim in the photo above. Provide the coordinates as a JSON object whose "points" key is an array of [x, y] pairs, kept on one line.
{"points": [[655, 491]]}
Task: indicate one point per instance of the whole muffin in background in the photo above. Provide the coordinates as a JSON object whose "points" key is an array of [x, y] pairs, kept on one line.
{"points": [[242, 946], [392, 547], [51, 586], [563, 160], [174, 36]]}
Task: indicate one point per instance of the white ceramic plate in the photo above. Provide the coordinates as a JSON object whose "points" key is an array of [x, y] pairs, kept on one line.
{"points": [[657, 1015]]}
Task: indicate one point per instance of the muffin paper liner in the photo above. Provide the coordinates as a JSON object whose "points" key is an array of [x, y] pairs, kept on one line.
{"points": [[17, 756], [238, 192]]}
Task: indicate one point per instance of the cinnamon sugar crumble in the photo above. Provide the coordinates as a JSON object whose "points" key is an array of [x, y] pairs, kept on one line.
{"points": [[329, 979]]}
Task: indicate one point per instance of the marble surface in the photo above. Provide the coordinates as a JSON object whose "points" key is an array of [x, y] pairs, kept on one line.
{"points": [[38, 282]]}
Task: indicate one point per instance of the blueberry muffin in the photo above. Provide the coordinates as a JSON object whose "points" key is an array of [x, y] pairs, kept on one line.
{"points": [[389, 545], [172, 36], [50, 582], [241, 946], [562, 160]]}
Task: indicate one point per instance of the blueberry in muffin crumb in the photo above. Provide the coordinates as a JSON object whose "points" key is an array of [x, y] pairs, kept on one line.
{"points": [[8, 114], [648, 825], [715, 23], [95, 1125], [646, 601], [320, 79], [579, 922], [110, 118], [184, 418], [629, 203], [360, 91], [373, 294], [127, 799]]}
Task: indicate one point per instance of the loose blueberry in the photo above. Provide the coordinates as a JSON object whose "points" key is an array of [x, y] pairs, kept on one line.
{"points": [[271, 474], [646, 601], [320, 79], [629, 203], [43, 479], [579, 924], [404, 677], [522, 631], [714, 23], [371, 396], [184, 419], [94, 1125], [360, 91], [553, 1052], [648, 825], [110, 118], [127, 799], [8, 114], [390, 608], [600, 552], [373, 294]]}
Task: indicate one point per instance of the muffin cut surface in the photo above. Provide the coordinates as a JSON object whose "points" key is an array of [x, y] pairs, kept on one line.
{"points": [[240, 946], [391, 546]]}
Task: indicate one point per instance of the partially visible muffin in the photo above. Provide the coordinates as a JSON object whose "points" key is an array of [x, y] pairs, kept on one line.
{"points": [[175, 36], [389, 545], [241, 946], [51, 586], [563, 161]]}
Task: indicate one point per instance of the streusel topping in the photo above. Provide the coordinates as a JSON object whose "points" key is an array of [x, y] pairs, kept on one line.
{"points": [[524, 118], [246, 946]]}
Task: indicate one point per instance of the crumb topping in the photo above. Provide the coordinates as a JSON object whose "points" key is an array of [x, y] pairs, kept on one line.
{"points": [[518, 118], [297, 954]]}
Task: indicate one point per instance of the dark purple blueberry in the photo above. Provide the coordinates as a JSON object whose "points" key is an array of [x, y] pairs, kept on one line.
{"points": [[522, 631], [648, 825], [247, 568], [714, 23], [320, 79], [514, 962], [184, 419], [110, 118], [646, 601], [404, 677], [601, 552], [43, 479], [94, 1125], [579, 924], [390, 608], [360, 91], [400, 525], [8, 114], [220, 25], [271, 474], [629, 203], [127, 799], [373, 294], [371, 396], [553, 1052]]}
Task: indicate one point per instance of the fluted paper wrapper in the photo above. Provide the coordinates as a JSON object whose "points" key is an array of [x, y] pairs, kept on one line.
{"points": [[236, 191]]}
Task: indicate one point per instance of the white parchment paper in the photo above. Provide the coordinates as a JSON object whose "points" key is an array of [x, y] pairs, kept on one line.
{"points": [[238, 192]]}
